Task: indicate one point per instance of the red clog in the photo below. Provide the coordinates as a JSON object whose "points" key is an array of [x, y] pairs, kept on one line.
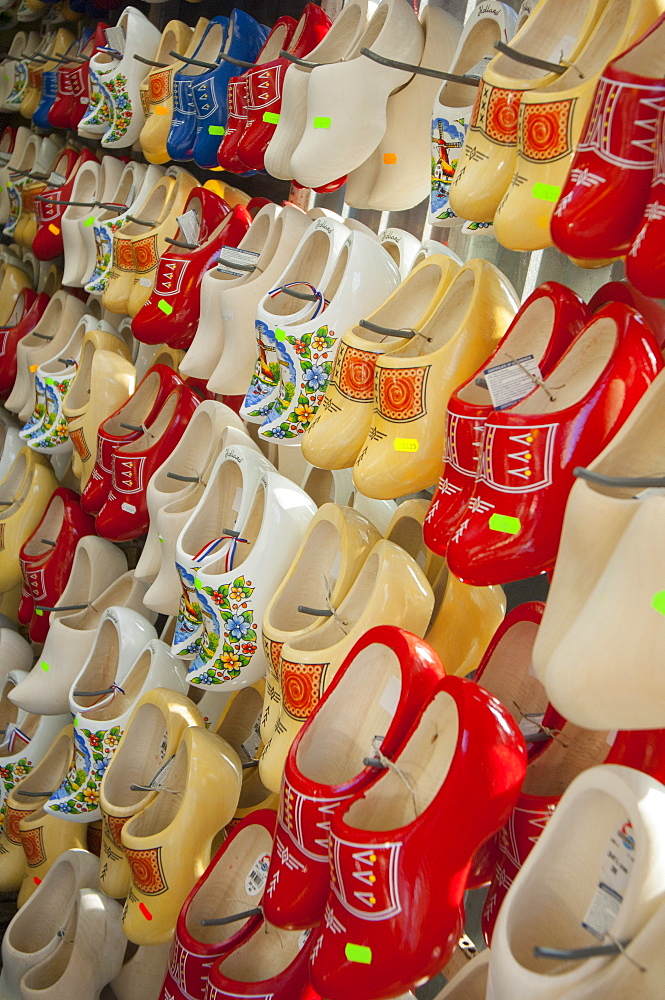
{"points": [[232, 883], [139, 411], [50, 205], [279, 38], [124, 514], [643, 750], [400, 851], [506, 672], [32, 307], [250, 971], [603, 200], [544, 327], [511, 526], [46, 558], [265, 83], [386, 691], [72, 98], [623, 291], [645, 263], [171, 314]]}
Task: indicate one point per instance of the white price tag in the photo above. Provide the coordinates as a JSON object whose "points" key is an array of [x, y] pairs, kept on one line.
{"points": [[257, 875], [252, 743], [190, 226], [228, 256], [390, 696], [616, 866], [145, 282], [115, 39], [56, 180], [511, 381]]}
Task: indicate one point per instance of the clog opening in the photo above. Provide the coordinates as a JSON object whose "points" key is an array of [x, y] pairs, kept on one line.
{"points": [[267, 954], [361, 708], [8, 712], [398, 799], [372, 31], [85, 189], [406, 530], [77, 590], [507, 676], [118, 594], [450, 318], [50, 321], [259, 238], [160, 813], [14, 484], [49, 528], [78, 394], [601, 45], [250, 534], [312, 580], [128, 690], [228, 886], [168, 357], [208, 51], [530, 334], [17, 311], [37, 923], [27, 161], [47, 974], [154, 210], [310, 263], [140, 755], [240, 720], [551, 905], [647, 59], [571, 752], [169, 41], [335, 629], [181, 504], [121, 195], [101, 668], [480, 40], [154, 433], [189, 457], [275, 43], [137, 407], [338, 40], [335, 280], [577, 372], [552, 35], [46, 775], [218, 510]]}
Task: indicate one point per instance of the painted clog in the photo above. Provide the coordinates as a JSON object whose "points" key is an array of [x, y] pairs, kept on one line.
{"points": [[524, 485], [381, 854], [153, 732], [615, 156], [380, 688], [645, 266], [404, 446], [335, 436], [203, 769], [543, 328]]}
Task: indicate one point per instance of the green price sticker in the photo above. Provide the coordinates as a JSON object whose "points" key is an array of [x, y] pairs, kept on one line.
{"points": [[165, 307], [358, 953], [270, 117], [216, 130], [546, 192], [503, 522], [322, 123]]}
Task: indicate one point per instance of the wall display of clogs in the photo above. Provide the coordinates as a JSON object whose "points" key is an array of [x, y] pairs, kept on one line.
{"points": [[332, 439]]}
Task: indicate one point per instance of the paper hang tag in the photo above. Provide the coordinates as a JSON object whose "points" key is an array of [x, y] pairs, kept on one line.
{"points": [[389, 699], [479, 68], [162, 773], [251, 744], [56, 179], [650, 491], [509, 382], [616, 866], [190, 226], [115, 39], [531, 724], [236, 255]]}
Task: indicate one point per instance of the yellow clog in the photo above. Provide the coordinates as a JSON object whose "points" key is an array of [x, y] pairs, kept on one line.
{"points": [[152, 736], [338, 431], [168, 843], [556, 32], [550, 123], [24, 495], [404, 447]]}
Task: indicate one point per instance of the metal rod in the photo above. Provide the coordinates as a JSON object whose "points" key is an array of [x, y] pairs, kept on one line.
{"points": [[134, 427], [222, 921], [298, 295], [47, 541], [236, 62], [240, 267], [437, 74], [576, 954], [92, 694], [633, 482], [180, 243], [150, 62], [305, 63], [527, 60], [142, 222], [42, 336], [386, 331], [33, 795], [192, 62], [317, 612], [249, 763], [64, 607], [183, 479]]}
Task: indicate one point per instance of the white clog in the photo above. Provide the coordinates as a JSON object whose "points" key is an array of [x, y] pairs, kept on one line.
{"points": [[36, 930], [347, 100], [348, 27], [94, 182], [596, 875], [224, 348], [396, 176], [402, 247], [101, 700]]}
